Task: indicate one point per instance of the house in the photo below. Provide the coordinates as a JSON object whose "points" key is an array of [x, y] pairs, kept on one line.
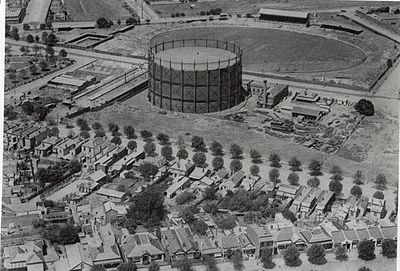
{"points": [[209, 247], [45, 148], [178, 184], [142, 248], [95, 146], [179, 242], [113, 211], [112, 195], [377, 207], [27, 256], [317, 236], [179, 168], [261, 237], [247, 246], [249, 183], [107, 160], [356, 223], [309, 202], [219, 176], [237, 178], [376, 234], [229, 244], [298, 200], [351, 236], [198, 173], [68, 148], [77, 257], [288, 191], [285, 237]]}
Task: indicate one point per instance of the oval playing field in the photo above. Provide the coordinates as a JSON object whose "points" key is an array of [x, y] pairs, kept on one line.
{"points": [[273, 50]]}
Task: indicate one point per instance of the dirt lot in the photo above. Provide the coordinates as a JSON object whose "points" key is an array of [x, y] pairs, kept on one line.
{"points": [[91, 10], [137, 112]]}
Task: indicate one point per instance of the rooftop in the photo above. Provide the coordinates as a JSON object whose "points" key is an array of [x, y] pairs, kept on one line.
{"points": [[284, 13]]}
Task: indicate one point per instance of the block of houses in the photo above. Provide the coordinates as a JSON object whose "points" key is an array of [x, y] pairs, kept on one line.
{"points": [[107, 160], [178, 184], [179, 242], [112, 195], [28, 256], [95, 146], [363, 234], [310, 201], [324, 202], [376, 235], [377, 207], [68, 148], [33, 136], [298, 200], [261, 237], [317, 236], [128, 161], [142, 248], [45, 148]]}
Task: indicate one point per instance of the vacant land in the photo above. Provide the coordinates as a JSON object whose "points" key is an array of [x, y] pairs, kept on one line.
{"points": [[91, 10]]}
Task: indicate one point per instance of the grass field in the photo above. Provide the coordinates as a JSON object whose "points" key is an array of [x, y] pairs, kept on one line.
{"points": [[91, 10], [280, 51], [252, 6]]}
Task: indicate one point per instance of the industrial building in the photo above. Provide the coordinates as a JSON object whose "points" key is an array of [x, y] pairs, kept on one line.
{"points": [[72, 83], [195, 75], [268, 96], [339, 27], [284, 16]]}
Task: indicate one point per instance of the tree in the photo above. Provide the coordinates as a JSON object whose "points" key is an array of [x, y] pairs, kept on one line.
{"points": [[336, 187], [184, 264], [182, 154], [83, 125], [30, 38], [128, 266], [293, 178], [217, 163], [294, 164], [364, 268], [132, 145], [356, 191], [255, 156], [166, 152], [33, 69], [316, 254], [336, 172], [12, 75], [22, 73], [181, 142], [237, 260], [187, 214], [274, 176], [49, 51], [147, 170], [227, 223], [286, 213], [199, 159], [266, 258], [149, 148], [254, 170], [313, 182], [51, 39], [211, 207], [200, 227], [75, 166], [210, 194], [154, 266], [366, 250], [292, 256], [102, 23], [99, 133], [340, 254], [146, 135], [216, 148], [14, 33], [147, 208], [380, 181], [235, 165], [97, 126], [37, 38], [236, 151], [113, 128], [163, 138], [62, 53], [358, 177], [185, 197], [275, 160], [26, 27], [85, 134], [132, 21], [43, 65], [389, 248], [129, 131], [365, 107], [69, 235], [116, 140], [210, 263], [315, 167], [379, 195], [198, 144]]}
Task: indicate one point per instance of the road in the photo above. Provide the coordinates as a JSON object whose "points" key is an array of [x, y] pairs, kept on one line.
{"points": [[37, 11]]}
